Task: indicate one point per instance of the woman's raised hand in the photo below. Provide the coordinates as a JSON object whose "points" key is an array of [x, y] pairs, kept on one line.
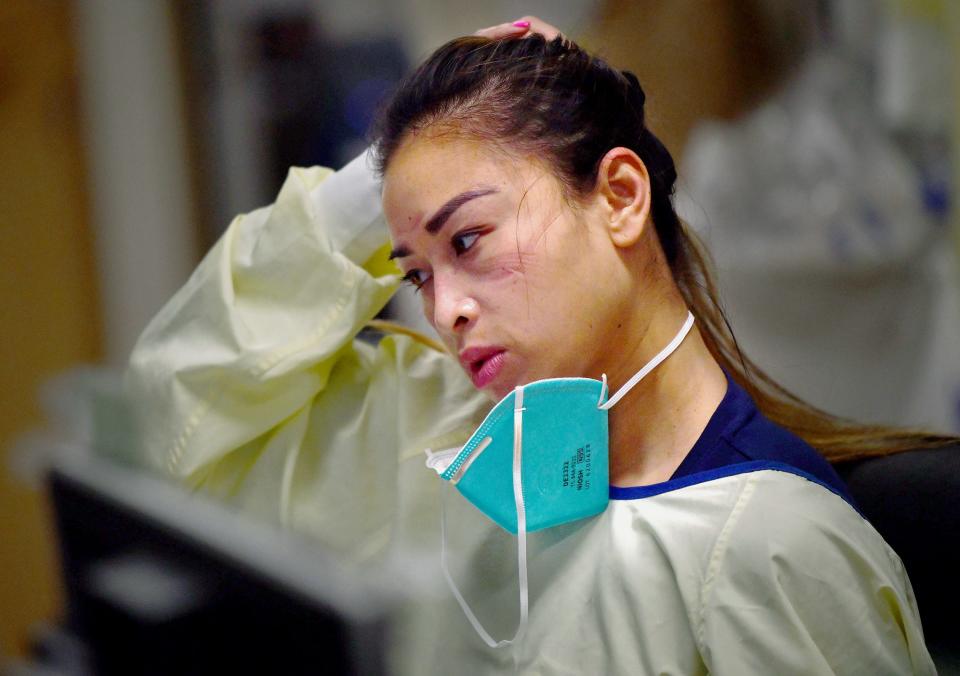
{"points": [[520, 28]]}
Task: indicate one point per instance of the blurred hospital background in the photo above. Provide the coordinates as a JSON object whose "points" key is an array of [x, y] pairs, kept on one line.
{"points": [[817, 143]]}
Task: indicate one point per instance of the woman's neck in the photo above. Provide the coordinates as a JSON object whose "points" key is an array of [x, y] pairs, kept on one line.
{"points": [[657, 423]]}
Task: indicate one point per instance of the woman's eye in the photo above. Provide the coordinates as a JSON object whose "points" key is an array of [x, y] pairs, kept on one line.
{"points": [[417, 278], [463, 241]]}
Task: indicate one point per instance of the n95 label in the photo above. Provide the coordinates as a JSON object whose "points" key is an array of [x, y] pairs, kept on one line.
{"points": [[576, 470]]}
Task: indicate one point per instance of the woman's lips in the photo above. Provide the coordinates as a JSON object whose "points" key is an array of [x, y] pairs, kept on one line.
{"points": [[483, 364], [485, 371]]}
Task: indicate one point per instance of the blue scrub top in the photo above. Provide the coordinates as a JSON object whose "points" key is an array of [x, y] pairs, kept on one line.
{"points": [[739, 438]]}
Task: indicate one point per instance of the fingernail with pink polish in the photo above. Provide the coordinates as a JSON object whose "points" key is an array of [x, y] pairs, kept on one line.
{"points": [[522, 24]]}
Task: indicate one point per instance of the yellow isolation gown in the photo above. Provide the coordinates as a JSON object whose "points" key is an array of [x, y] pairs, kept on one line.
{"points": [[252, 387]]}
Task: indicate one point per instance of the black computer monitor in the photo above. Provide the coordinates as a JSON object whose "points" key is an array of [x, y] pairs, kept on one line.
{"points": [[159, 581]]}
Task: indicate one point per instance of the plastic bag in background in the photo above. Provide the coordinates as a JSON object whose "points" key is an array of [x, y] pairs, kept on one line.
{"points": [[839, 278], [84, 412]]}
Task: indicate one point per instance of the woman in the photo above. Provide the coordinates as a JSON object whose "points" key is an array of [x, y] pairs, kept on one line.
{"points": [[530, 206]]}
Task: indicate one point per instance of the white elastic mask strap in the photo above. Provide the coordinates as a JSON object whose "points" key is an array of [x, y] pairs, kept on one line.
{"points": [[652, 364], [521, 537]]}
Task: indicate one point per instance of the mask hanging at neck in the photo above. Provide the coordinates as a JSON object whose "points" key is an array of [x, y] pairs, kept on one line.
{"points": [[539, 459]]}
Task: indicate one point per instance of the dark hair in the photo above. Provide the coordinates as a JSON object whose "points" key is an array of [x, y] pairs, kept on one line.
{"points": [[554, 101]]}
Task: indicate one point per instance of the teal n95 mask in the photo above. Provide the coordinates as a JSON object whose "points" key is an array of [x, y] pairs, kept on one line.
{"points": [[539, 459]]}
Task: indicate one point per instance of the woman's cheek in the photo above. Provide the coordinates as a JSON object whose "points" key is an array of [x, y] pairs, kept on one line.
{"points": [[508, 266], [426, 306]]}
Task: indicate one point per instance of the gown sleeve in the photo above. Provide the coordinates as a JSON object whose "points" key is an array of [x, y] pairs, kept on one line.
{"points": [[250, 385], [800, 583]]}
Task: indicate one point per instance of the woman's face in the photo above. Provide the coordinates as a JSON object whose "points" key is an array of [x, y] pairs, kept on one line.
{"points": [[519, 284]]}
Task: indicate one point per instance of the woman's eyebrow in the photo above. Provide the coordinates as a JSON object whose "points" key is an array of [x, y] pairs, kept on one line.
{"points": [[437, 221]]}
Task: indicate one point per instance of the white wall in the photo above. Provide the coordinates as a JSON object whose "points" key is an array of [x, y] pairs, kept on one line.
{"points": [[137, 162]]}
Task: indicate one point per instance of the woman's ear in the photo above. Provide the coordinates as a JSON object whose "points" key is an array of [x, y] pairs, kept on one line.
{"points": [[623, 188]]}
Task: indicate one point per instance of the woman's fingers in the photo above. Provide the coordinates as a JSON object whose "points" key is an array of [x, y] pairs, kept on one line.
{"points": [[520, 28], [540, 26], [505, 30]]}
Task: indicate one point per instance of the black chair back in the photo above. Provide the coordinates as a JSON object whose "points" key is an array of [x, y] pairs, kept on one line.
{"points": [[913, 500]]}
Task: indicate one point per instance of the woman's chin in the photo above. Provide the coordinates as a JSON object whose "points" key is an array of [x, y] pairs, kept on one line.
{"points": [[500, 387], [497, 392], [507, 383]]}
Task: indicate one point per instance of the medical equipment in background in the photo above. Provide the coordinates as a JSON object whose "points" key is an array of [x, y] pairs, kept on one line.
{"points": [[827, 210]]}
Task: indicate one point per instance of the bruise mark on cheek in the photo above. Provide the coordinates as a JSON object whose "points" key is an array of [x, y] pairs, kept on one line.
{"points": [[514, 275], [507, 265]]}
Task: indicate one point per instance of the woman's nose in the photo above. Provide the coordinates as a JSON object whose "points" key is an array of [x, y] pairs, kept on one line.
{"points": [[454, 309]]}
